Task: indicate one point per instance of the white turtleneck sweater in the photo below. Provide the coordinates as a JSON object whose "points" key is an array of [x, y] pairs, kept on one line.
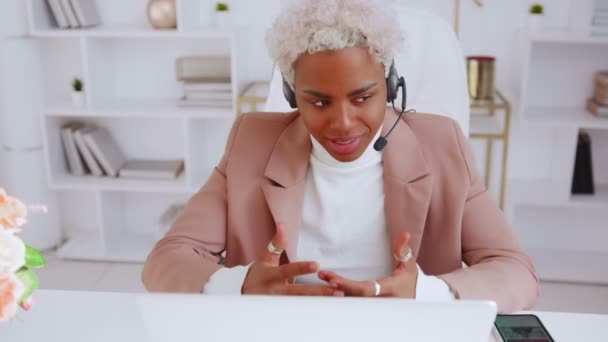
{"points": [[343, 226]]}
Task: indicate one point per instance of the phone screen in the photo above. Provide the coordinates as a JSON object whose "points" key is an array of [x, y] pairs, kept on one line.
{"points": [[521, 328]]}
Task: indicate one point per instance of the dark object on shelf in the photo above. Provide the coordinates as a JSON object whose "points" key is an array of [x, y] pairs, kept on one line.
{"points": [[582, 179]]}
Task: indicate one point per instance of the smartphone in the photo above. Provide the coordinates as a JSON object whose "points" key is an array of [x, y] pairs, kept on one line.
{"points": [[521, 328]]}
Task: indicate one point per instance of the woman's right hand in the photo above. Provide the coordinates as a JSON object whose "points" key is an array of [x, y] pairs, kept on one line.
{"points": [[267, 277]]}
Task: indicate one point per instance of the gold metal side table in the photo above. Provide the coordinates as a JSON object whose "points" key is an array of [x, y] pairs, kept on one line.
{"points": [[488, 127]]}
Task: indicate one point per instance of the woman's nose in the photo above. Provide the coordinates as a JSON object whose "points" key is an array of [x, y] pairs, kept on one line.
{"points": [[342, 117]]}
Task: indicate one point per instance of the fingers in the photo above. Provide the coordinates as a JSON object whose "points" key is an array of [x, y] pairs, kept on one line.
{"points": [[401, 248], [278, 241], [311, 290], [331, 278], [294, 269], [400, 244], [350, 287]]}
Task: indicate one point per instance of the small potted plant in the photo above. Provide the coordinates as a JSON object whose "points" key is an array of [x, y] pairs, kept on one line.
{"points": [[77, 92], [535, 18], [221, 15]]}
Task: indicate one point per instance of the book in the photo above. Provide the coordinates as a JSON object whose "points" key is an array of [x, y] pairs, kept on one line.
{"points": [[582, 178], [76, 165], [90, 161], [201, 68], [60, 19], [201, 95], [105, 150], [69, 13], [207, 86], [596, 108], [185, 102], [86, 12], [152, 169], [209, 79]]}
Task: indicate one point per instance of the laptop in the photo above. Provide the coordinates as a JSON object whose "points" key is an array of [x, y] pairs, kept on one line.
{"points": [[172, 317]]}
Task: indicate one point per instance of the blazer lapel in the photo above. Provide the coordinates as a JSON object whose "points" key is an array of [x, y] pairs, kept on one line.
{"points": [[407, 183], [284, 184]]}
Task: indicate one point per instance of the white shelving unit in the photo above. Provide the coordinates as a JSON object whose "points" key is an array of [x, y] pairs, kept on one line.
{"points": [[566, 235], [128, 70]]}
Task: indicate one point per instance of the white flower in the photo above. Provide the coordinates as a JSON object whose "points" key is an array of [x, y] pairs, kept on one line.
{"points": [[12, 253], [11, 290]]}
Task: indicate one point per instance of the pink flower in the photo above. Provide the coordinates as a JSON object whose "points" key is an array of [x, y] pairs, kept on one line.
{"points": [[13, 213], [11, 290], [28, 303]]}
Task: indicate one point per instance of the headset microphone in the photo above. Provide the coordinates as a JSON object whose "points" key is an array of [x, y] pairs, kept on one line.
{"points": [[392, 89]]}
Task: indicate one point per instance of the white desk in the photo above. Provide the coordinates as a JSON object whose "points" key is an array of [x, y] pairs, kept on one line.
{"points": [[96, 316]]}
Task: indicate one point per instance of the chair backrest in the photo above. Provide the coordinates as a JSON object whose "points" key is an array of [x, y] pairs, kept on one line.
{"points": [[432, 64]]}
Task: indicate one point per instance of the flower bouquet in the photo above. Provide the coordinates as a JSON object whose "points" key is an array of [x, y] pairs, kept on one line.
{"points": [[17, 281]]}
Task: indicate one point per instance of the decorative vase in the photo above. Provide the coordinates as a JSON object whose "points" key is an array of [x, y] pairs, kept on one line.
{"points": [[222, 20], [535, 22], [78, 98], [162, 14], [480, 77]]}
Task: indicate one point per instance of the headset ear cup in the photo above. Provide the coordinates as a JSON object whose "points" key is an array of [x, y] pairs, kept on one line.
{"points": [[290, 96], [392, 84]]}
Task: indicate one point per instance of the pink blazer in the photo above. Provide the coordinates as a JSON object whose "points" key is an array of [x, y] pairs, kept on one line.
{"points": [[432, 190]]}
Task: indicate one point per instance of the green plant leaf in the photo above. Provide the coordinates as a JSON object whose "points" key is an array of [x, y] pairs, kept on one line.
{"points": [[77, 84], [33, 258], [537, 9], [221, 7], [29, 280]]}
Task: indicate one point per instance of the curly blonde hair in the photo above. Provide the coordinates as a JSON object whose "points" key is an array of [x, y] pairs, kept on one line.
{"points": [[329, 25]]}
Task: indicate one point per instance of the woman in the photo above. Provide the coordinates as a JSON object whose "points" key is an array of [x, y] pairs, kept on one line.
{"points": [[303, 204]]}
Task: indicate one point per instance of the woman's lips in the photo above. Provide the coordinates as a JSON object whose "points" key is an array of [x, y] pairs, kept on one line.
{"points": [[345, 145]]}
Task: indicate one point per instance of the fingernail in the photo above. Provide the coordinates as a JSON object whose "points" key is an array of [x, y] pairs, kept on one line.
{"points": [[334, 284], [338, 294]]}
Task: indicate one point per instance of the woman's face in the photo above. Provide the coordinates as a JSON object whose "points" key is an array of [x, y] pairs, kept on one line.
{"points": [[341, 96]]}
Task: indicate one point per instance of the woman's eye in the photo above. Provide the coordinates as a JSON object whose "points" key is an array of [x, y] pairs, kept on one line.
{"points": [[363, 98], [321, 103]]}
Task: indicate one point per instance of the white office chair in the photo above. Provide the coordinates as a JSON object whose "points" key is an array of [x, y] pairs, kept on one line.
{"points": [[432, 64]]}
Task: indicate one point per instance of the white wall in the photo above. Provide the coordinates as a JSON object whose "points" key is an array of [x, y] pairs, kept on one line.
{"points": [[488, 30]]}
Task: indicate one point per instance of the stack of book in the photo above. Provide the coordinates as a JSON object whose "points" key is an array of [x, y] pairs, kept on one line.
{"points": [[205, 92], [74, 13], [599, 18], [91, 150], [205, 81], [598, 104]]}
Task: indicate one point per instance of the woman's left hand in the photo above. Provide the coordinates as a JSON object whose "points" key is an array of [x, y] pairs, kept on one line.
{"points": [[401, 283]]}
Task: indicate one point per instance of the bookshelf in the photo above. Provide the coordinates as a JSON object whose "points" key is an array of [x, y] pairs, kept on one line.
{"points": [[565, 234], [128, 70]]}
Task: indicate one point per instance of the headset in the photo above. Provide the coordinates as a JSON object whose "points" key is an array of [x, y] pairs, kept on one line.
{"points": [[393, 83]]}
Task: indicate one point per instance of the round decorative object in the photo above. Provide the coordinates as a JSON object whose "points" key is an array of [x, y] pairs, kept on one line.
{"points": [[162, 14]]}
